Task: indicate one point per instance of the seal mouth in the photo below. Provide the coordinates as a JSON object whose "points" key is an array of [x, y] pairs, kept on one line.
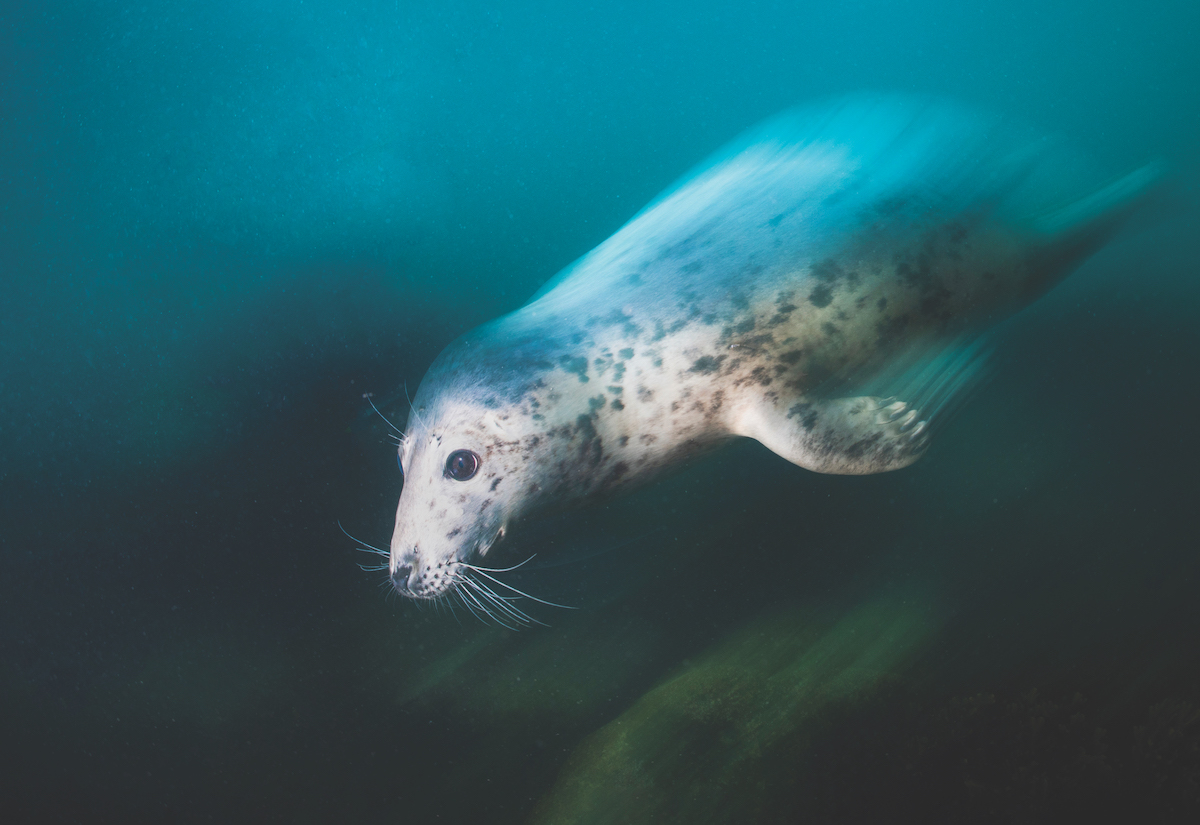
{"points": [[427, 580]]}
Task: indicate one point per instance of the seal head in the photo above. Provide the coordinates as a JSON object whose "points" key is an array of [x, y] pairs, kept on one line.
{"points": [[457, 453]]}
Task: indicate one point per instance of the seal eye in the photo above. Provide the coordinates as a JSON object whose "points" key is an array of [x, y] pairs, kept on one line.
{"points": [[462, 465]]}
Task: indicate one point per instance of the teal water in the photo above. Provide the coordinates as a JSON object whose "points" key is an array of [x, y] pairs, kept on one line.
{"points": [[222, 224]]}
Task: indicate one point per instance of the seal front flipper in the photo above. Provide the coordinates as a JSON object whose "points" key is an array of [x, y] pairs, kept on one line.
{"points": [[846, 436]]}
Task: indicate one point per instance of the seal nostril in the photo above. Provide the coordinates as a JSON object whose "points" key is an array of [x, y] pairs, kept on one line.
{"points": [[400, 578]]}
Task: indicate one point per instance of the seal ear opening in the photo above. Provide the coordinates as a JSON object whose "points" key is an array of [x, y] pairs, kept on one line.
{"points": [[491, 422]]}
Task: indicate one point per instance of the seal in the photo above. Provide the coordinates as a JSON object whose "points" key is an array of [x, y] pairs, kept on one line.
{"points": [[866, 239]]}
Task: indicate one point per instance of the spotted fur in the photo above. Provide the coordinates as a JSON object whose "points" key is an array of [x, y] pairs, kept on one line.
{"points": [[819, 249]]}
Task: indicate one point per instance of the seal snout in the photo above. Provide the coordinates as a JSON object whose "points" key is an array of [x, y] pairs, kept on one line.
{"points": [[400, 578], [417, 577]]}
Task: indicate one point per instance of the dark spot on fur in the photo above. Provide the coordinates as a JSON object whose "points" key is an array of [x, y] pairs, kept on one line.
{"points": [[496, 483], [623, 440], [821, 296], [761, 375], [596, 403], [626, 353], [742, 327], [590, 447], [807, 413], [618, 318], [860, 448], [830, 329], [785, 309], [617, 405], [754, 344], [707, 364], [579, 366], [644, 394], [613, 477], [792, 356], [882, 304]]}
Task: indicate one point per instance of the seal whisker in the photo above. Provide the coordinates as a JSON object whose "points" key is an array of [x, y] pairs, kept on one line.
{"points": [[490, 599], [467, 605], [458, 591], [446, 599], [369, 548], [526, 595], [367, 395], [465, 591], [497, 615], [497, 569], [466, 577], [413, 408], [372, 568], [503, 603]]}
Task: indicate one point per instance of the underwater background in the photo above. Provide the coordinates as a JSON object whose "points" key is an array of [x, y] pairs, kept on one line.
{"points": [[223, 223]]}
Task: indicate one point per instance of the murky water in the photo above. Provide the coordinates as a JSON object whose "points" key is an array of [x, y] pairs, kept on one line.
{"points": [[223, 225]]}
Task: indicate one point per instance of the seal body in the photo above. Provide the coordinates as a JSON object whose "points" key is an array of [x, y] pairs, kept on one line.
{"points": [[754, 299]]}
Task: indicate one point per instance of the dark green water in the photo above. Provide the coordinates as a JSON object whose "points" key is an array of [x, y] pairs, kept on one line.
{"points": [[222, 223]]}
